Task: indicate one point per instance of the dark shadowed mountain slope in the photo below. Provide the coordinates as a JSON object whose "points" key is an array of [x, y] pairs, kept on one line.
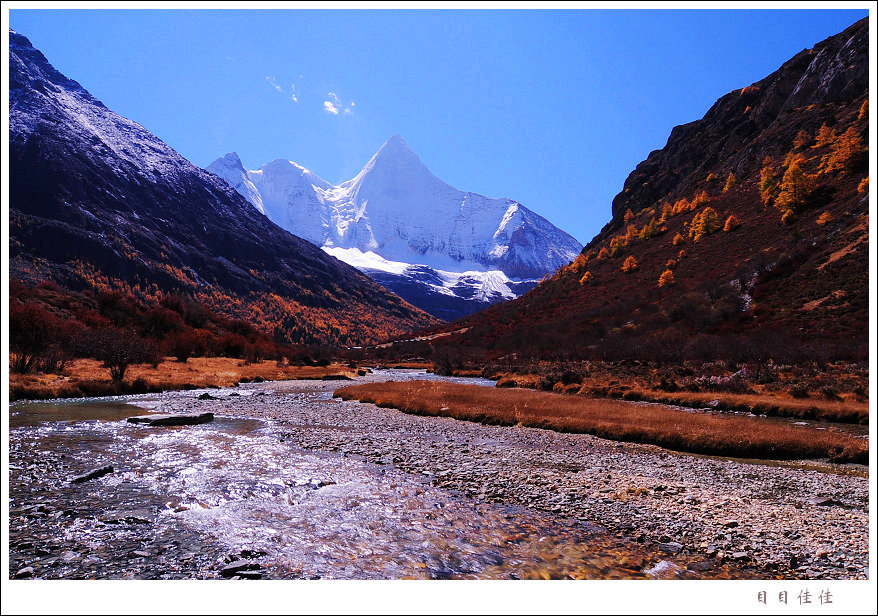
{"points": [[746, 235], [98, 201]]}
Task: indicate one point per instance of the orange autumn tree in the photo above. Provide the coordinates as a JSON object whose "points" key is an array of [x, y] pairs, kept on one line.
{"points": [[704, 223], [846, 153], [701, 198], [630, 264], [767, 182], [649, 230], [732, 223], [666, 279], [825, 136], [730, 182], [795, 189]]}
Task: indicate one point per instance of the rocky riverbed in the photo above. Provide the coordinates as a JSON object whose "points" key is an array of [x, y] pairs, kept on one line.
{"points": [[375, 493]]}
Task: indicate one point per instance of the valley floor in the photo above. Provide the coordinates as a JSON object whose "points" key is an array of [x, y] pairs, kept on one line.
{"points": [[787, 520], [684, 516]]}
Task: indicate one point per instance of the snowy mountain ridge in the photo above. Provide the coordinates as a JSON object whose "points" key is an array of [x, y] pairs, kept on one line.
{"points": [[447, 251], [399, 210]]}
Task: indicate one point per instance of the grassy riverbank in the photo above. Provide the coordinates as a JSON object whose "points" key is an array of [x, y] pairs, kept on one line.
{"points": [[87, 377], [619, 420]]}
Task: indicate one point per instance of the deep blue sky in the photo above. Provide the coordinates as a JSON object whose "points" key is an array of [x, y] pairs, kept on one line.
{"points": [[551, 108]]}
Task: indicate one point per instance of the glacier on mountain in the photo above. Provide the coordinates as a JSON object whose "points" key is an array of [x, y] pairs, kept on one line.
{"points": [[396, 210]]}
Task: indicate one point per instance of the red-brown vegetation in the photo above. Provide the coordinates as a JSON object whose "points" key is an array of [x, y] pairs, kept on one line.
{"points": [[613, 419], [50, 326], [88, 377]]}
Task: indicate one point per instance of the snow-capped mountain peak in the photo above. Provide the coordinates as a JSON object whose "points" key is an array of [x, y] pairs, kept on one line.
{"points": [[230, 168], [397, 209]]}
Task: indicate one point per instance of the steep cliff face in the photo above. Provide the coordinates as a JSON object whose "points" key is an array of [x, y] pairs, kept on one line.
{"points": [[95, 198], [746, 125]]}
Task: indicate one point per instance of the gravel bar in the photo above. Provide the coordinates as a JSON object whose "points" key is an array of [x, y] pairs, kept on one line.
{"points": [[790, 520]]}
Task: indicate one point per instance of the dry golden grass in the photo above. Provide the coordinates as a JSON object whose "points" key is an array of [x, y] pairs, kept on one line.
{"points": [[845, 411], [87, 377], [614, 419], [468, 374]]}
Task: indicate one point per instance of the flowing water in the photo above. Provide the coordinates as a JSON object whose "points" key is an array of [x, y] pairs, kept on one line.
{"points": [[233, 499]]}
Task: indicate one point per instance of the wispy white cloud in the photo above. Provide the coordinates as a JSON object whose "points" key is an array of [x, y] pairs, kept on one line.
{"points": [[335, 105], [294, 96], [274, 83]]}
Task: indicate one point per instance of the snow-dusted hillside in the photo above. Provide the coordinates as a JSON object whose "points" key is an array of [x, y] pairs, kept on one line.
{"points": [[397, 211], [97, 201]]}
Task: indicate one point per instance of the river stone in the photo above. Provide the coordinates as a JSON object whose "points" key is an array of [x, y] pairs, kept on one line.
{"points": [[239, 566], [820, 501], [671, 547], [98, 472], [182, 419]]}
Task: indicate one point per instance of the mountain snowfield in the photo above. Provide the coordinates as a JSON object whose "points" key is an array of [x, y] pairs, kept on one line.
{"points": [[426, 240]]}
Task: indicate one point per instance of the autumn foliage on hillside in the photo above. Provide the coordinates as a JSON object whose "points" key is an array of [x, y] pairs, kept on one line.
{"points": [[767, 266], [49, 326]]}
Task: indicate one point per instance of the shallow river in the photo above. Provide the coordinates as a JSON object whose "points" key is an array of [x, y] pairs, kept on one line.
{"points": [[232, 498]]}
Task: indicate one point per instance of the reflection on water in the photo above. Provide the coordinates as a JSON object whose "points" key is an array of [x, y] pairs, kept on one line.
{"points": [[35, 413], [231, 498]]}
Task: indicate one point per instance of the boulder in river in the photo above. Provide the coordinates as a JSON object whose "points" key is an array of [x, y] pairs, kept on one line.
{"points": [[98, 472], [170, 419]]}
